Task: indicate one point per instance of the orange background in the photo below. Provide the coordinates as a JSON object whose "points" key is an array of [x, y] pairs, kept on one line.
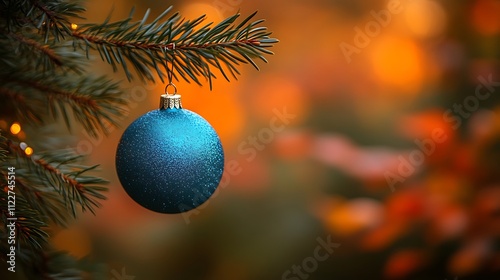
{"points": [[325, 174]]}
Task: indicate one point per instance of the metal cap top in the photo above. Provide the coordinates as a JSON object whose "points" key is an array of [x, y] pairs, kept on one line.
{"points": [[170, 101]]}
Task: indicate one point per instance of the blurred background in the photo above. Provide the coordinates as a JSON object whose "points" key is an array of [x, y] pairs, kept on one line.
{"points": [[375, 127]]}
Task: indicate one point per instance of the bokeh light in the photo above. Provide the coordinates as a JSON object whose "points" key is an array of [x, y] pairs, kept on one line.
{"points": [[23, 145], [399, 63], [484, 14], [15, 128], [426, 18], [28, 151]]}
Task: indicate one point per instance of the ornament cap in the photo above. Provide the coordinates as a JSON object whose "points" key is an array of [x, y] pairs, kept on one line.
{"points": [[170, 101]]}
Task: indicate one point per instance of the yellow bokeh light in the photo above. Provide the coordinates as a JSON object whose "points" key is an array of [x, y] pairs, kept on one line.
{"points": [[15, 128], [398, 63], [426, 18], [28, 151], [74, 26]]}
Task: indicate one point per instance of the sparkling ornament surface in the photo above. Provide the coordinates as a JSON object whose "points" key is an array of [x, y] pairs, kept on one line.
{"points": [[170, 161]]}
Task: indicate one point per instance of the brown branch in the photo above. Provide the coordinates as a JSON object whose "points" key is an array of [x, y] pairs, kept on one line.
{"points": [[81, 100], [50, 14], [64, 177], [17, 98], [24, 231], [41, 48], [13, 95], [45, 165], [158, 46]]}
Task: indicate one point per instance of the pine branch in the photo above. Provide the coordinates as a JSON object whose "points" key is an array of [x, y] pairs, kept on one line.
{"points": [[51, 17], [43, 49], [52, 182], [59, 171], [46, 200], [34, 254], [199, 47], [29, 229], [20, 108], [196, 49], [94, 102], [37, 55]]}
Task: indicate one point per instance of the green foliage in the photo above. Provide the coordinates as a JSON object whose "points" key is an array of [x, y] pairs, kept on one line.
{"points": [[50, 189], [94, 101], [193, 46]]}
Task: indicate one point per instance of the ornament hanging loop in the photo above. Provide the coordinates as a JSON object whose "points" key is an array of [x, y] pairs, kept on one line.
{"points": [[173, 86], [170, 100]]}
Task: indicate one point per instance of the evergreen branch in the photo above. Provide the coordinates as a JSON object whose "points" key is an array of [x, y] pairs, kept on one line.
{"points": [[196, 49], [45, 200], [29, 229], [95, 102], [34, 255], [52, 17], [60, 171], [15, 104], [44, 49], [36, 55]]}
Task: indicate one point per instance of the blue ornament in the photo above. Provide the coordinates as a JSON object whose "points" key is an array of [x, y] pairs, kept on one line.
{"points": [[170, 160]]}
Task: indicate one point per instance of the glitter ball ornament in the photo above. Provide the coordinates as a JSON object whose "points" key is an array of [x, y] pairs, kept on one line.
{"points": [[170, 160]]}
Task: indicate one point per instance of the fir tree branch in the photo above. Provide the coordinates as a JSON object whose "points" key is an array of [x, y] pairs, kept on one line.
{"points": [[44, 49], [95, 102], [47, 201], [51, 17], [37, 55], [32, 239], [60, 171], [194, 47], [29, 229], [15, 104]]}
